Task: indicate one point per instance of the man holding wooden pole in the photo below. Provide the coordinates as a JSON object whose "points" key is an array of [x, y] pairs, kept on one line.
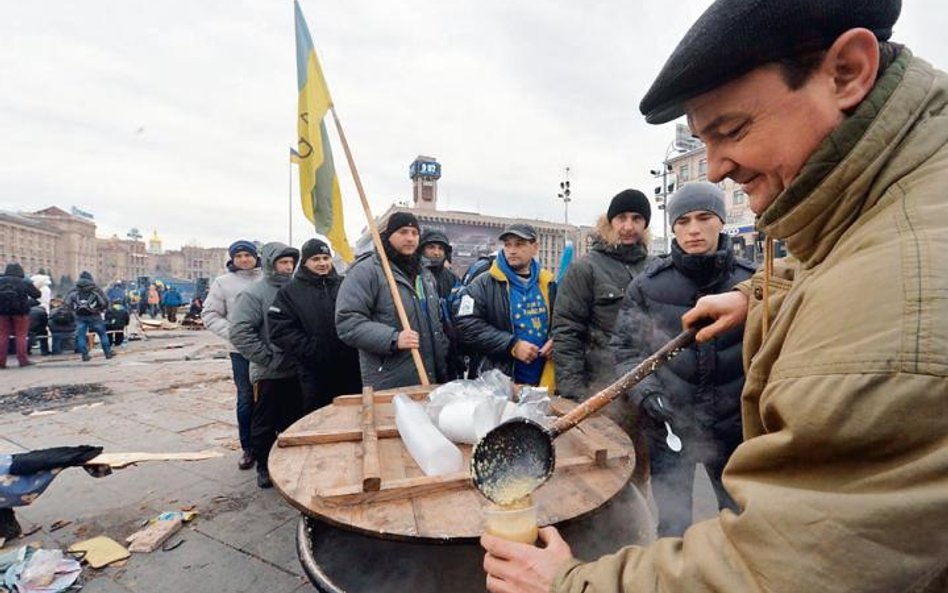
{"points": [[367, 319]]}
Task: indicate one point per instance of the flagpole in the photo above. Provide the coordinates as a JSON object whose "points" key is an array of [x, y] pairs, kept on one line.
{"points": [[290, 203], [379, 248]]}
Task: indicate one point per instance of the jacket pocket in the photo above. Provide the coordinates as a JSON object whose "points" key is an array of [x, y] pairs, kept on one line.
{"points": [[607, 294]]}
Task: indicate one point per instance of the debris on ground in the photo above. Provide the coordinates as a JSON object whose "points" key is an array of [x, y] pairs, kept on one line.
{"points": [[99, 551], [120, 460], [35, 570], [51, 397], [57, 525], [148, 539]]}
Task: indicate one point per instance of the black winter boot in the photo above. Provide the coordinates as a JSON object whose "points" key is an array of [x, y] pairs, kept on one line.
{"points": [[9, 527]]}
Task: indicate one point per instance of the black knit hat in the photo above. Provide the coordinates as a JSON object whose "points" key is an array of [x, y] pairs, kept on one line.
{"points": [[733, 37], [630, 200], [399, 220], [314, 247]]}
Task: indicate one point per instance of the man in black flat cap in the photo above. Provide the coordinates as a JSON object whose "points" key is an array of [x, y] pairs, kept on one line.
{"points": [[840, 139]]}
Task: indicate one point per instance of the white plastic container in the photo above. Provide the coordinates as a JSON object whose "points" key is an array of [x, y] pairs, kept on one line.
{"points": [[430, 449], [466, 421]]}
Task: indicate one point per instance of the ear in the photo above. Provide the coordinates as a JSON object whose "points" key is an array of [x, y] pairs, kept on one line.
{"points": [[853, 63]]}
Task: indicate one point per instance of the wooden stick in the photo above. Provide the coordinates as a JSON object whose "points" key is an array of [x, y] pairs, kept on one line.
{"points": [[408, 487], [371, 474], [379, 248], [417, 393], [325, 437]]}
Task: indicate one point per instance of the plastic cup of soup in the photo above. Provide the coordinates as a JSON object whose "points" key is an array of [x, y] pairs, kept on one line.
{"points": [[516, 522]]}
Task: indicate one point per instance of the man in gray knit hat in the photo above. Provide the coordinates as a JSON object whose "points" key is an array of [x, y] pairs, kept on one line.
{"points": [[840, 139], [699, 392]]}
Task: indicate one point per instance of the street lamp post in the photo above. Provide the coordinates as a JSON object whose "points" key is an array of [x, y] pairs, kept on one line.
{"points": [[564, 195], [663, 191]]}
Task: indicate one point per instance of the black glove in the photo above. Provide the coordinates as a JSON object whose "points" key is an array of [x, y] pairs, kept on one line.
{"points": [[655, 410]]}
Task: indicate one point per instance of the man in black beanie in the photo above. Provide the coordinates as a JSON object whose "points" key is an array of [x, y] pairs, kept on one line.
{"points": [[366, 318], [840, 140], [588, 302], [303, 323]]}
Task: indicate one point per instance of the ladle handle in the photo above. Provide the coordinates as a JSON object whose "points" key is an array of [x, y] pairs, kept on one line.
{"points": [[626, 382]]}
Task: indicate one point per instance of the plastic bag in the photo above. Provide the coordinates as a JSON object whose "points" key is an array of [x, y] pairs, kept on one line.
{"points": [[464, 410], [41, 567]]}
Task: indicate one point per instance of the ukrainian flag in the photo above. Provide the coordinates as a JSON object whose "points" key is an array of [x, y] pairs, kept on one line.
{"points": [[319, 187]]}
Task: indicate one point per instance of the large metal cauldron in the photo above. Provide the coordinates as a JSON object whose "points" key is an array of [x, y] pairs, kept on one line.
{"points": [[341, 561]]}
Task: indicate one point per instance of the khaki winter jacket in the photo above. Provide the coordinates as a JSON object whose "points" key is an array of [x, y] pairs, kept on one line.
{"points": [[843, 477]]}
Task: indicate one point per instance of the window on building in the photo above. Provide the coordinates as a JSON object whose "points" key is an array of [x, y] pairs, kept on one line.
{"points": [[739, 196], [703, 168], [684, 173]]}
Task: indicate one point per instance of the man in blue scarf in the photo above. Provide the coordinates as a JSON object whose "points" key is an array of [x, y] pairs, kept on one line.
{"points": [[505, 314]]}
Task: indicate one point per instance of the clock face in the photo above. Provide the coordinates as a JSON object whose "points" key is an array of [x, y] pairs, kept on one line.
{"points": [[425, 169]]}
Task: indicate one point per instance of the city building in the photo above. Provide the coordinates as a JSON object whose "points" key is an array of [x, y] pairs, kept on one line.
{"points": [[27, 242], [470, 233], [75, 250], [120, 259], [64, 245]]}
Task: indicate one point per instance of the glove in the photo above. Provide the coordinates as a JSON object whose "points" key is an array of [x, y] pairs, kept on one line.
{"points": [[660, 412]]}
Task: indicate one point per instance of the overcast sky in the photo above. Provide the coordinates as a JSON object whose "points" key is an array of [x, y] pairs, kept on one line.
{"points": [[177, 115]]}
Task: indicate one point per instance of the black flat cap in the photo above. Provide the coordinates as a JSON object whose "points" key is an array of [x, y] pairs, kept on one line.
{"points": [[733, 37], [519, 229]]}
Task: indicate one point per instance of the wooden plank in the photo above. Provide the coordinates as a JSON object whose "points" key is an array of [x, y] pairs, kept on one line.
{"points": [[416, 392], [416, 486], [119, 460], [371, 474], [395, 489], [323, 437]]}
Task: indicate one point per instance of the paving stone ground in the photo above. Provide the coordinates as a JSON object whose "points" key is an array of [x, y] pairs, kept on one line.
{"points": [[167, 394], [173, 393]]}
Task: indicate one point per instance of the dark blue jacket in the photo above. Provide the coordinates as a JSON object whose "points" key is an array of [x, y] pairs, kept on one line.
{"points": [[702, 385]]}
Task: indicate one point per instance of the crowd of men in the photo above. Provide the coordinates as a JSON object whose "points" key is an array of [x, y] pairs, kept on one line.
{"points": [[30, 316], [814, 396], [301, 333]]}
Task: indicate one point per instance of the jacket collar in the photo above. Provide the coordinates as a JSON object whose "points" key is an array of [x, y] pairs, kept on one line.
{"points": [[860, 160], [546, 277]]}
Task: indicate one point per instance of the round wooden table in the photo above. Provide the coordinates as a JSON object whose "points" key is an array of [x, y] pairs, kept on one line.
{"points": [[345, 468]]}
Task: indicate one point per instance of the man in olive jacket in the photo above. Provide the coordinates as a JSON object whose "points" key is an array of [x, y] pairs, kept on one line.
{"points": [[587, 303], [840, 138], [366, 318], [589, 297]]}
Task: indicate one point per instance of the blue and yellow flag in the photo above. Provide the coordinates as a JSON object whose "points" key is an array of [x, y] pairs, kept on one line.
{"points": [[319, 187]]}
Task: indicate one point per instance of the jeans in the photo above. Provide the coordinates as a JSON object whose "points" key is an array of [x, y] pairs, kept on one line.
{"points": [[17, 326], [240, 367], [96, 324], [63, 340]]}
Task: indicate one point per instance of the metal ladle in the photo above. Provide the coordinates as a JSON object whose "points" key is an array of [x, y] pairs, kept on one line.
{"points": [[517, 457]]}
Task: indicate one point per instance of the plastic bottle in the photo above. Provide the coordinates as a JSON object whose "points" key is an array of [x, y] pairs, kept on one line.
{"points": [[430, 449]]}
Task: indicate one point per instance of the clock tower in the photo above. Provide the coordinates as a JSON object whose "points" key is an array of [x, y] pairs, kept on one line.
{"points": [[424, 173]]}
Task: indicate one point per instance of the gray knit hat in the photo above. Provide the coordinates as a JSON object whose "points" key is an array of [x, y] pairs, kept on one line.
{"points": [[699, 195]]}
